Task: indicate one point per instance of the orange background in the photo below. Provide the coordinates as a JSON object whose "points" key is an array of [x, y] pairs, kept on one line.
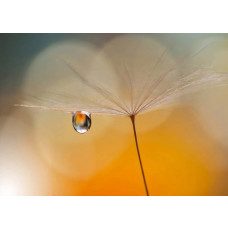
{"points": [[45, 156], [41, 154]]}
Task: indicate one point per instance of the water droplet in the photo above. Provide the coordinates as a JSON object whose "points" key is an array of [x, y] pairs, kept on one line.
{"points": [[81, 121]]}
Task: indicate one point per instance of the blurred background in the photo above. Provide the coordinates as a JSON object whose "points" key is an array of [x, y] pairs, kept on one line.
{"points": [[183, 153]]}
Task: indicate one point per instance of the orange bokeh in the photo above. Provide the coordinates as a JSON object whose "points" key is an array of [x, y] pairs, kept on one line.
{"points": [[179, 157]]}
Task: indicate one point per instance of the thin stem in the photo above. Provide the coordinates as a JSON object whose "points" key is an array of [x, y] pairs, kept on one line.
{"points": [[140, 161]]}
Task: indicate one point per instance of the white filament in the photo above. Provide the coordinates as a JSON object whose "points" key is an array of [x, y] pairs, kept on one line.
{"points": [[131, 74]]}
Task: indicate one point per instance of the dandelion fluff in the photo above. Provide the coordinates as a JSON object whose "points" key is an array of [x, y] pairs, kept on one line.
{"points": [[212, 103], [59, 79], [130, 75], [52, 84]]}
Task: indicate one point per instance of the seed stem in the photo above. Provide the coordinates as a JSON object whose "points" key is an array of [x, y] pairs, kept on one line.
{"points": [[137, 147]]}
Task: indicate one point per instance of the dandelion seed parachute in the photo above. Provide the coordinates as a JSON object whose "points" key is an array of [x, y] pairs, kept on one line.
{"points": [[130, 75]]}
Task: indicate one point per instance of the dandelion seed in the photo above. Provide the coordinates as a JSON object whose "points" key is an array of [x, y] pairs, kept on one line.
{"points": [[128, 76]]}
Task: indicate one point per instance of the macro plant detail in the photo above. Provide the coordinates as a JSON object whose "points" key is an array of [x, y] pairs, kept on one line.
{"points": [[129, 75]]}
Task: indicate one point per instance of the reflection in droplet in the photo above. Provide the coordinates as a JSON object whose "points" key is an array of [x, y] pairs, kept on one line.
{"points": [[81, 121]]}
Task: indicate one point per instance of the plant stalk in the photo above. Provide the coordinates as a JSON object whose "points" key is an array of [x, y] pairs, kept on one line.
{"points": [[137, 147]]}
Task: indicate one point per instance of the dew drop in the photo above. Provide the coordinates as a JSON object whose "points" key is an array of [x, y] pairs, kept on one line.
{"points": [[81, 121]]}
